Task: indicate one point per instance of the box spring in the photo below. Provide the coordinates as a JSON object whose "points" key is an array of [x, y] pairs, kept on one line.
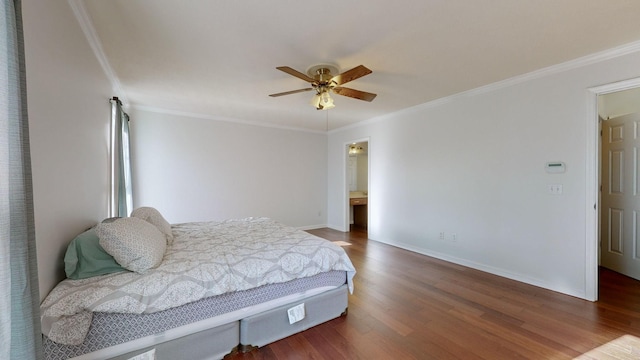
{"points": [[114, 330]]}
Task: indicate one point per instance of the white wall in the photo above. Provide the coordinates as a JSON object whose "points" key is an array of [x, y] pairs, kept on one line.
{"points": [[194, 169], [473, 165], [68, 122], [363, 172]]}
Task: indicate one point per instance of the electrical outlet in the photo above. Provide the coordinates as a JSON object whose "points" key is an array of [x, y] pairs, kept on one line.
{"points": [[442, 235], [454, 237]]}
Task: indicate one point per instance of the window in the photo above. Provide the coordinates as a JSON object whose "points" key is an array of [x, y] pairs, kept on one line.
{"points": [[121, 196]]}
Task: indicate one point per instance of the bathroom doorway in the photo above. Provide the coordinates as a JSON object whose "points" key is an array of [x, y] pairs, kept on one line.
{"points": [[358, 185]]}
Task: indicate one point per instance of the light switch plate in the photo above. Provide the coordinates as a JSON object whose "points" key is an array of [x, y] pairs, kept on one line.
{"points": [[554, 189]]}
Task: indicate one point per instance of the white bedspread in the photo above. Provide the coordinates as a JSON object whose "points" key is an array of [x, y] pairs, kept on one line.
{"points": [[205, 259]]}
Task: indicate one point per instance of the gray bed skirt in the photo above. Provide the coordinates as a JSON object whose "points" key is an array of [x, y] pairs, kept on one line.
{"points": [[207, 344], [110, 334], [272, 325], [251, 332]]}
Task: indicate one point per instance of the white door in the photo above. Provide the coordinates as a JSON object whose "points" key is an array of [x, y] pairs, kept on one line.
{"points": [[620, 214]]}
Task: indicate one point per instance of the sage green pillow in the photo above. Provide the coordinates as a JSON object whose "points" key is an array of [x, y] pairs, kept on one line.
{"points": [[85, 258]]}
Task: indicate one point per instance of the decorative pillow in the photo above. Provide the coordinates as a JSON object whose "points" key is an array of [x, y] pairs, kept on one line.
{"points": [[85, 258], [134, 243], [154, 217]]}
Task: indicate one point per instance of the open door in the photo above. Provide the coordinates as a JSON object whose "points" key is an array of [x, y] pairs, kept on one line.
{"points": [[620, 211]]}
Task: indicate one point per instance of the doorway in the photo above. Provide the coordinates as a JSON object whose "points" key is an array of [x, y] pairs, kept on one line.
{"points": [[357, 185], [593, 180], [619, 113]]}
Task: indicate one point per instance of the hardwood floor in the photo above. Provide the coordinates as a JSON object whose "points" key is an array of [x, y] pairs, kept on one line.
{"points": [[410, 306]]}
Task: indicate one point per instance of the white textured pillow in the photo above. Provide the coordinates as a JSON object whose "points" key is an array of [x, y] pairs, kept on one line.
{"points": [[134, 243], [153, 216]]}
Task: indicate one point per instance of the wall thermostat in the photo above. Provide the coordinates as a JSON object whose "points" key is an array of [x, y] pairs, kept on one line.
{"points": [[555, 167]]}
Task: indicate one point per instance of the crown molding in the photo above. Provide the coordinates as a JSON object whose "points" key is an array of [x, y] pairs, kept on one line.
{"points": [[559, 68], [158, 110], [86, 24], [595, 58]]}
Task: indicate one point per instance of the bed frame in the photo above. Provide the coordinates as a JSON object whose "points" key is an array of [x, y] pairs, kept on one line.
{"points": [[210, 340]]}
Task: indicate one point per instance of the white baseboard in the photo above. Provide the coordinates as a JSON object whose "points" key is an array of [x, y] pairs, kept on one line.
{"points": [[579, 293]]}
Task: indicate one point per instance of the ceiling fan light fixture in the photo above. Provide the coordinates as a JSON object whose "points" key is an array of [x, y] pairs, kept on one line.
{"points": [[328, 106], [322, 100], [315, 101], [326, 101]]}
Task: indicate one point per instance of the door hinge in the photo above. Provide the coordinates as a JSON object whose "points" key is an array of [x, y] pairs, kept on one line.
{"points": [[600, 132], [594, 206]]}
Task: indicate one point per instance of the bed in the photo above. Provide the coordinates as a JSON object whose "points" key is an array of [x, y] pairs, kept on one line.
{"points": [[219, 287]]}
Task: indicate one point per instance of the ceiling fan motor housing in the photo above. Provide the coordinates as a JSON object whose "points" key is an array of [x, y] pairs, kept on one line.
{"points": [[323, 75]]}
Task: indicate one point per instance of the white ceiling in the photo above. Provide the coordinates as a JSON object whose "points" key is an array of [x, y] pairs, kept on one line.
{"points": [[217, 59]]}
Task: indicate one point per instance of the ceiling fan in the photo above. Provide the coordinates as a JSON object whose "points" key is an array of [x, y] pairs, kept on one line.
{"points": [[323, 82]]}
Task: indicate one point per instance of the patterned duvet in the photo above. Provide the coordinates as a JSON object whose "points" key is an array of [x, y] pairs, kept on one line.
{"points": [[205, 259]]}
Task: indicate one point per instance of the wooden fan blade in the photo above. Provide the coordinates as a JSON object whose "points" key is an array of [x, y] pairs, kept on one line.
{"points": [[296, 73], [290, 92], [350, 75], [356, 94]]}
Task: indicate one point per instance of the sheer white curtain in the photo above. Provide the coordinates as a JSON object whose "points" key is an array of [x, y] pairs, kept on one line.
{"points": [[121, 199], [20, 336]]}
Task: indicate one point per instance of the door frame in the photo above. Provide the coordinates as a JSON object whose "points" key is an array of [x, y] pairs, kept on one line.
{"points": [[593, 162], [345, 194]]}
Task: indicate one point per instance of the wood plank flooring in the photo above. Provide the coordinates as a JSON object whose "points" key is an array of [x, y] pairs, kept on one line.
{"points": [[410, 306]]}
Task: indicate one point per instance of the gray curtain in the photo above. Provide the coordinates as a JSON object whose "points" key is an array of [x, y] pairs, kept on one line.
{"points": [[121, 203], [20, 335]]}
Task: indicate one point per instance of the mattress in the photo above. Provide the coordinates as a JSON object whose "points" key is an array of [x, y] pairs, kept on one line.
{"points": [[112, 329]]}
